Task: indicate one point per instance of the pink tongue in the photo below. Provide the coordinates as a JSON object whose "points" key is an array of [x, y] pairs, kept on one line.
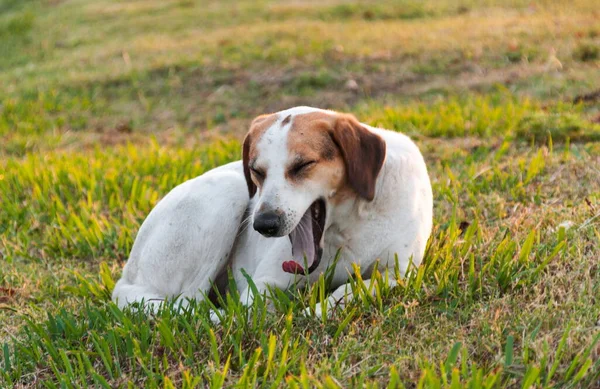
{"points": [[302, 246], [292, 267]]}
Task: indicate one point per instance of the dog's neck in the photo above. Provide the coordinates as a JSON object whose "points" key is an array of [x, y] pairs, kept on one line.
{"points": [[351, 209]]}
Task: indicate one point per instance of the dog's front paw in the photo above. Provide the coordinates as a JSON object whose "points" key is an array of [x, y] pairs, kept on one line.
{"points": [[318, 311], [216, 317]]}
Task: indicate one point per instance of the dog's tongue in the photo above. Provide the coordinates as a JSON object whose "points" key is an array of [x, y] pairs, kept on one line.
{"points": [[303, 245], [292, 267]]}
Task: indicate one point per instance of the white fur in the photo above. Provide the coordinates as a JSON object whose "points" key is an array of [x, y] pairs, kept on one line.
{"points": [[204, 226]]}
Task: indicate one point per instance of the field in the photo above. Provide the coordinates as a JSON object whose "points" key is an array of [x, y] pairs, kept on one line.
{"points": [[106, 106]]}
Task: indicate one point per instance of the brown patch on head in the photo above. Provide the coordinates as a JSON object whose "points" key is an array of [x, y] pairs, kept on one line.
{"points": [[309, 135], [309, 141], [257, 129], [347, 155], [286, 120]]}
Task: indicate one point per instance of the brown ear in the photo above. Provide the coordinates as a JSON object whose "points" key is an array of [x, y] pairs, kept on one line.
{"points": [[257, 127], [245, 161], [363, 153]]}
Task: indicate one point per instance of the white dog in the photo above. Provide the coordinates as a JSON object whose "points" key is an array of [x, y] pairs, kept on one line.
{"points": [[311, 182]]}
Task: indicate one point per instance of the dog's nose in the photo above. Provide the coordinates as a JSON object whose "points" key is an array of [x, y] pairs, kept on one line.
{"points": [[267, 223]]}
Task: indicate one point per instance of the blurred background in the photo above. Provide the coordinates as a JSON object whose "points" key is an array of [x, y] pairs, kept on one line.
{"points": [[81, 73]]}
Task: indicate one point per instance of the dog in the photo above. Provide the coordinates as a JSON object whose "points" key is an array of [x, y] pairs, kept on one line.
{"points": [[316, 186]]}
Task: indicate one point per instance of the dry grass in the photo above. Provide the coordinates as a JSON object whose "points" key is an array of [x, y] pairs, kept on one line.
{"points": [[107, 106]]}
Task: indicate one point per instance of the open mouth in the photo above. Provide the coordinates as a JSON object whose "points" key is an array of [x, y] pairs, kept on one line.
{"points": [[306, 240]]}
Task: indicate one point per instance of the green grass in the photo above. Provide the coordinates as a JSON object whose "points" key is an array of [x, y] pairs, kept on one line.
{"points": [[106, 106]]}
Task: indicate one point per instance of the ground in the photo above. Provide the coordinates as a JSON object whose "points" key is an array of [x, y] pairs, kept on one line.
{"points": [[106, 106]]}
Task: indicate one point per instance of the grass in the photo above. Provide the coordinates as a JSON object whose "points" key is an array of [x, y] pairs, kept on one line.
{"points": [[106, 107]]}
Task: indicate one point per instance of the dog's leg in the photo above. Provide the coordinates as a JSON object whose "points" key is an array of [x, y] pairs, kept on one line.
{"points": [[343, 295], [267, 274], [186, 241], [151, 301], [262, 286], [125, 293]]}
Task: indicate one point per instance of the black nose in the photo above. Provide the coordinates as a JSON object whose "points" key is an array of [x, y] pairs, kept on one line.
{"points": [[267, 223]]}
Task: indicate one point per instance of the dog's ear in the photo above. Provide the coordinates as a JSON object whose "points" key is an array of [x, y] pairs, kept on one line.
{"points": [[245, 161], [258, 125], [363, 153]]}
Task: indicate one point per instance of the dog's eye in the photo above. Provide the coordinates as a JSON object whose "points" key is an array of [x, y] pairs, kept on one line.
{"points": [[299, 167], [258, 173]]}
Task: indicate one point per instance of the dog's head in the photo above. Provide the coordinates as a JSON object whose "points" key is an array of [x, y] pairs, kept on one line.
{"points": [[301, 161]]}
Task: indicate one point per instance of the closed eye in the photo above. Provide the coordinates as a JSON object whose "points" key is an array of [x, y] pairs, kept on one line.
{"points": [[257, 172], [300, 167]]}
